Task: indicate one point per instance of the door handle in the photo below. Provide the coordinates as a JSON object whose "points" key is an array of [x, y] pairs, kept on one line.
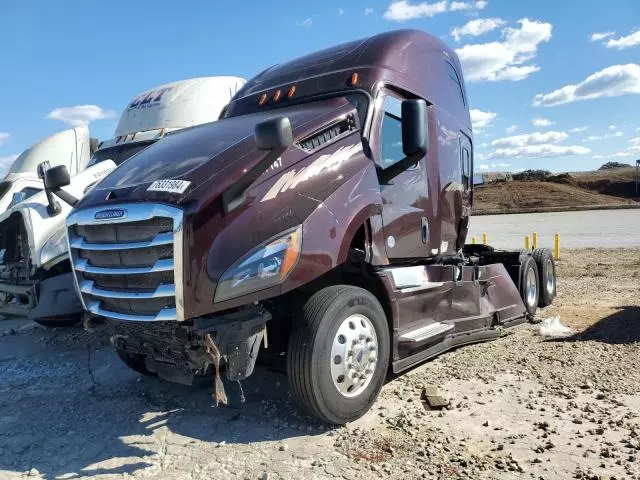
{"points": [[425, 230]]}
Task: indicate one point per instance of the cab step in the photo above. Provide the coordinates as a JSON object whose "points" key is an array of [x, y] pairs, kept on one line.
{"points": [[431, 331]]}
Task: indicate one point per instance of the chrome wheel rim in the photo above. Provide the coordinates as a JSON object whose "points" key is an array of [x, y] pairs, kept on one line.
{"points": [[532, 287], [354, 355], [550, 279]]}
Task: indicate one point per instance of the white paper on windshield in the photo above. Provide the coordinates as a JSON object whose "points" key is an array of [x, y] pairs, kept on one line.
{"points": [[171, 186]]}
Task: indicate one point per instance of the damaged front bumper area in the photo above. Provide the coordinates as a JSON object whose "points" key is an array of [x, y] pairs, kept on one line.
{"points": [[17, 299], [196, 350]]}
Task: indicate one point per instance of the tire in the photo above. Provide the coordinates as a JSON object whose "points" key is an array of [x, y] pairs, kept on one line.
{"points": [[546, 276], [312, 363], [134, 362], [56, 322], [529, 285]]}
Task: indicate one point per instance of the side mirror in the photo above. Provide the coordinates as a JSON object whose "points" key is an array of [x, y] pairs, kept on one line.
{"points": [[415, 138], [17, 198], [414, 128], [273, 134], [42, 168], [56, 178]]}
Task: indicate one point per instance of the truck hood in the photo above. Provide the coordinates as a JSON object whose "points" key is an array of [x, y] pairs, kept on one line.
{"points": [[210, 157], [39, 225]]}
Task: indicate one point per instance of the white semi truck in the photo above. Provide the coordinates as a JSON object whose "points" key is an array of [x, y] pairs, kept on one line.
{"points": [[72, 148], [35, 273]]}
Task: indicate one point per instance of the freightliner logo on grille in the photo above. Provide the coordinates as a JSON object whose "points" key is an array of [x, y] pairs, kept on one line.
{"points": [[110, 214]]}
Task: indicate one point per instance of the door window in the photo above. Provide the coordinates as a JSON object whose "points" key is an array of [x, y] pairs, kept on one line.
{"points": [[391, 133]]}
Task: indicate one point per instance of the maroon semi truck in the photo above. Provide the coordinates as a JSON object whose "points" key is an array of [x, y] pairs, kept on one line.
{"points": [[329, 208]]}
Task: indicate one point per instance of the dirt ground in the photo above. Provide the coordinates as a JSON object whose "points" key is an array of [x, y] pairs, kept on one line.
{"points": [[576, 190], [516, 196], [522, 406]]}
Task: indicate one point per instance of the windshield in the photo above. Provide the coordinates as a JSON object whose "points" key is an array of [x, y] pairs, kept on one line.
{"points": [[119, 153]]}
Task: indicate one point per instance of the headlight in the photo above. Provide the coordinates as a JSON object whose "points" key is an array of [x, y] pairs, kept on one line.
{"points": [[264, 267], [54, 247]]}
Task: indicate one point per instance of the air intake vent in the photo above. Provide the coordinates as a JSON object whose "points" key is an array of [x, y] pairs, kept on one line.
{"points": [[327, 134]]}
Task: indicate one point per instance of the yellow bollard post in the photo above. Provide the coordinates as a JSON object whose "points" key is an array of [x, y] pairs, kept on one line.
{"points": [[556, 246], [473, 240], [484, 239], [534, 240], [526, 242]]}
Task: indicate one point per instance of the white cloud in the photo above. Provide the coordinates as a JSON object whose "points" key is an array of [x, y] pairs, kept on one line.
{"points": [[593, 138], [80, 114], [511, 129], [578, 129], [535, 138], [340, 11], [596, 37], [542, 122], [483, 167], [508, 59], [5, 164], [631, 40], [612, 81], [477, 27], [480, 119], [484, 144], [368, 11], [3, 137], [612, 127], [403, 10], [539, 151], [635, 141], [479, 5], [306, 23]]}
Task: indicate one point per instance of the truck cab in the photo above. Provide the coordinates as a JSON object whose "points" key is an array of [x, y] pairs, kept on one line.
{"points": [[35, 278], [71, 148], [329, 207]]}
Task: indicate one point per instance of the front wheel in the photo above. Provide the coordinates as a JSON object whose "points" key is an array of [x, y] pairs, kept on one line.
{"points": [[339, 354]]}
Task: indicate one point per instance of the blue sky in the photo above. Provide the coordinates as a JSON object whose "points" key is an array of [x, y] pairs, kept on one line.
{"points": [[523, 60]]}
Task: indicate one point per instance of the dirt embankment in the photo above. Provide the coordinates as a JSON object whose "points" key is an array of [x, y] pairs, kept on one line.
{"points": [[611, 188], [520, 407]]}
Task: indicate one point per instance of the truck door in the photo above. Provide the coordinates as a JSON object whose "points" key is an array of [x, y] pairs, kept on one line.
{"points": [[405, 198], [466, 170]]}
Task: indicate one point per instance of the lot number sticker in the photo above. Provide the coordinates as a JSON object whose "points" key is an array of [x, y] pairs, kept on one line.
{"points": [[171, 186]]}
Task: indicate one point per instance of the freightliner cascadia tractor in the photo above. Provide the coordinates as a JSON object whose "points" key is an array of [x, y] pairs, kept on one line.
{"points": [[35, 273], [329, 209]]}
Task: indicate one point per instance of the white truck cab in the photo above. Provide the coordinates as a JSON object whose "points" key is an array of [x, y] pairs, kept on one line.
{"points": [[72, 148], [35, 274]]}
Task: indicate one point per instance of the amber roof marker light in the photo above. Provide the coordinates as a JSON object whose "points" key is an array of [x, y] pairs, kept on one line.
{"points": [[277, 95], [292, 91], [354, 79], [262, 99]]}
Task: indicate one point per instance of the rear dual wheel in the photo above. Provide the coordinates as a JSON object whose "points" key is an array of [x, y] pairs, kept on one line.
{"points": [[339, 354], [546, 275], [529, 291]]}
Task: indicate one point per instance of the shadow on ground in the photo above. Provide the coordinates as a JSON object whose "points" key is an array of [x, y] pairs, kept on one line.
{"points": [[621, 327], [55, 419]]}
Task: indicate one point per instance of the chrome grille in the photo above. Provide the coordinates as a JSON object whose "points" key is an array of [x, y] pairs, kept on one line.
{"points": [[129, 268]]}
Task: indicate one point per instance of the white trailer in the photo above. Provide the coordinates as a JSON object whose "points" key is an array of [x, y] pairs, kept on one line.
{"points": [[35, 274]]}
